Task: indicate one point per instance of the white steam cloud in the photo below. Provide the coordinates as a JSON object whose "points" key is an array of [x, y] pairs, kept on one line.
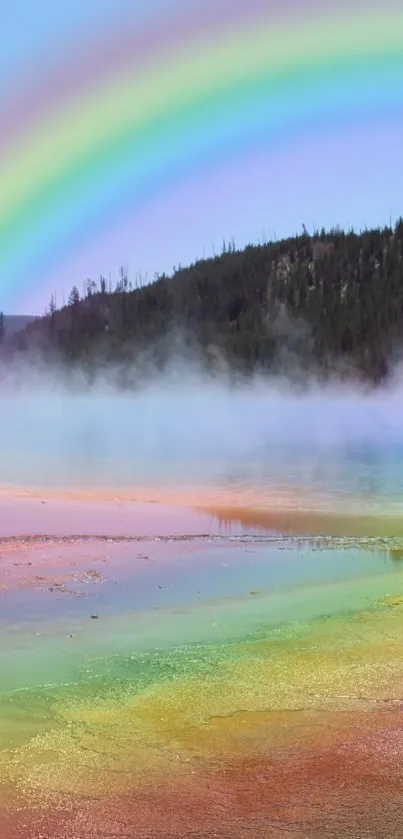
{"points": [[186, 427]]}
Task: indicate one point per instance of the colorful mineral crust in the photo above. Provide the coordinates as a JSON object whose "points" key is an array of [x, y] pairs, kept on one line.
{"points": [[253, 689]]}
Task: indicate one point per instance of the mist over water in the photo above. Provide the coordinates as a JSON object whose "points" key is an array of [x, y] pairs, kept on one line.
{"points": [[187, 429]]}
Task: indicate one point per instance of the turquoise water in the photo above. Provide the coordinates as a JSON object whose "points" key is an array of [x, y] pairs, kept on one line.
{"points": [[342, 445], [201, 571], [142, 599]]}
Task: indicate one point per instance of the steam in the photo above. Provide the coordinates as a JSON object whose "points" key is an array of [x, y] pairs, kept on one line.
{"points": [[185, 426]]}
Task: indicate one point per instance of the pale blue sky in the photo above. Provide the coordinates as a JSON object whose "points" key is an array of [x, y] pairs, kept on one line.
{"points": [[353, 177], [36, 31]]}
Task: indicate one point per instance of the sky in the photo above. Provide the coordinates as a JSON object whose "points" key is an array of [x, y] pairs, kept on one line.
{"points": [[345, 172]]}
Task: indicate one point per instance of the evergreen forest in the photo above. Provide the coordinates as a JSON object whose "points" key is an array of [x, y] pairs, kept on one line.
{"points": [[332, 301]]}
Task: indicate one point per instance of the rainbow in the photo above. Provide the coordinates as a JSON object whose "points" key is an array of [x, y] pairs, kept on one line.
{"points": [[106, 136]]}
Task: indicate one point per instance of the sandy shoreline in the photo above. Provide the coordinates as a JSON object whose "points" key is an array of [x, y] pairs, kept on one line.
{"points": [[163, 511], [200, 497], [72, 516], [140, 511]]}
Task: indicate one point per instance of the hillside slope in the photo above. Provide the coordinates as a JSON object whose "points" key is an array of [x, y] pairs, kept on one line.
{"points": [[332, 300]]}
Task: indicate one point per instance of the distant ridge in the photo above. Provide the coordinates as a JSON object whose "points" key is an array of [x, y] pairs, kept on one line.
{"points": [[16, 323]]}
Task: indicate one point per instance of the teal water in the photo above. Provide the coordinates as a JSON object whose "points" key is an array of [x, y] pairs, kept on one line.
{"points": [[201, 591], [341, 448]]}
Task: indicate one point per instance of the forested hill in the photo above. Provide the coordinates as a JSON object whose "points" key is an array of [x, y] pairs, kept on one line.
{"points": [[332, 300]]}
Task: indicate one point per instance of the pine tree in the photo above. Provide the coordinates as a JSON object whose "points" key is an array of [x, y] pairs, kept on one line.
{"points": [[74, 297]]}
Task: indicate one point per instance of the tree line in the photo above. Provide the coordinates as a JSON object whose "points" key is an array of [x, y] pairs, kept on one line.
{"points": [[331, 300]]}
